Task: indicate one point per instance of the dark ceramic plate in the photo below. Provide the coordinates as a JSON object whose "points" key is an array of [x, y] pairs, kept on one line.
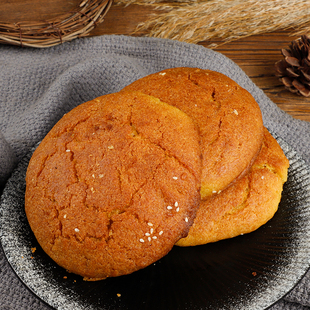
{"points": [[248, 272]]}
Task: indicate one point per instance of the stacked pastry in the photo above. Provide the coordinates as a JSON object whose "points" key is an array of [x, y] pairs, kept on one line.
{"points": [[177, 157]]}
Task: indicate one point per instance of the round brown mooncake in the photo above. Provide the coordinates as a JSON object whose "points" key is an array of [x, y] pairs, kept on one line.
{"points": [[228, 117], [246, 205], [114, 185]]}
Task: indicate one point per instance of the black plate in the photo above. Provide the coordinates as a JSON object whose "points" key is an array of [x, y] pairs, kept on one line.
{"points": [[248, 272]]}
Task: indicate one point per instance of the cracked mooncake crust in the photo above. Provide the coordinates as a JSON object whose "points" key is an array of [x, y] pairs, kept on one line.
{"points": [[114, 185], [247, 204], [228, 117]]}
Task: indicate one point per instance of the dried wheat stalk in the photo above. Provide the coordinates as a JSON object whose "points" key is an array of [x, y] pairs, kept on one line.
{"points": [[202, 20], [58, 30], [157, 3]]}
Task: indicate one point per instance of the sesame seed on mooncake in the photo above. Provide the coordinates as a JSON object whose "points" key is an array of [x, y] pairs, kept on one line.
{"points": [[114, 185], [247, 204], [229, 120]]}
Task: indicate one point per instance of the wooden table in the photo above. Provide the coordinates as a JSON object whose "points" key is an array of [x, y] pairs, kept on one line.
{"points": [[256, 55]]}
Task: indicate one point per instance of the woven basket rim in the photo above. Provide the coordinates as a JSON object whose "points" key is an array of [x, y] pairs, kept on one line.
{"points": [[66, 27]]}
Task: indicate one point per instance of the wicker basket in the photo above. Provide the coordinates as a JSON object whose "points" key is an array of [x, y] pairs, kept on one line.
{"points": [[66, 27]]}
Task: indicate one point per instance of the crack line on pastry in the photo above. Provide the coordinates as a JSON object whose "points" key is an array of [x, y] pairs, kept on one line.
{"points": [[218, 136], [241, 206], [110, 231], [159, 144], [213, 93], [44, 165]]}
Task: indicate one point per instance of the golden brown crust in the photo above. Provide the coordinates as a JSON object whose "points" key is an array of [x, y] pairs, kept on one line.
{"points": [[100, 183], [228, 117], [247, 204]]}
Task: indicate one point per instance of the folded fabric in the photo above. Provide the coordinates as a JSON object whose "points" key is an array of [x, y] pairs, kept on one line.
{"points": [[38, 86]]}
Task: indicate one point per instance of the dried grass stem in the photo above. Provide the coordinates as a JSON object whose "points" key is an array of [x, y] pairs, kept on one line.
{"points": [[228, 20]]}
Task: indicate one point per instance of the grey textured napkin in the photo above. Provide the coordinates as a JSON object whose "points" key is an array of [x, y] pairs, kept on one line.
{"points": [[37, 86]]}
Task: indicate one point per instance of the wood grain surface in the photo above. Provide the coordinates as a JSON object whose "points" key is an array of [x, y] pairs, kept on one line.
{"points": [[256, 55]]}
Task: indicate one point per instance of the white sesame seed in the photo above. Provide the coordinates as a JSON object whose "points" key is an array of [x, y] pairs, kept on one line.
{"points": [[219, 191], [263, 177], [76, 230], [236, 112], [186, 219], [214, 192], [110, 147], [147, 234], [152, 230], [93, 175], [65, 216], [149, 238], [162, 73], [169, 207], [176, 204], [100, 176], [178, 209], [174, 178], [154, 237], [68, 151], [150, 224], [141, 240], [161, 232]]}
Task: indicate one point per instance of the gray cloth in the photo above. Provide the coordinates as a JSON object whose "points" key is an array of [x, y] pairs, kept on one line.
{"points": [[39, 85]]}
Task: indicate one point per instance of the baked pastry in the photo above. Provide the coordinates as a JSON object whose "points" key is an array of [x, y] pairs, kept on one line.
{"points": [[114, 185], [228, 117], [247, 204]]}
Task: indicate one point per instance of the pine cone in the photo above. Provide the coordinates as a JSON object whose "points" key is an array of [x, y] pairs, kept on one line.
{"points": [[294, 69]]}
